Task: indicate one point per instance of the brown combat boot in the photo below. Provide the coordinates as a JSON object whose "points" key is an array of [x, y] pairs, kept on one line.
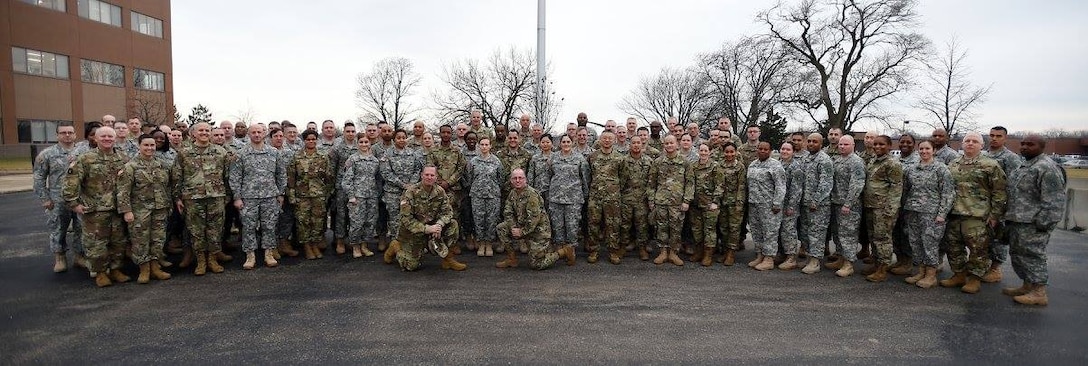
{"points": [[674, 258], [662, 256], [958, 279], [790, 263], [917, 276], [879, 275], [511, 260], [615, 256], [285, 248], [929, 279], [730, 257], [157, 272], [186, 257], [765, 264], [448, 262], [222, 257], [455, 249], [321, 245], [201, 264], [117, 276], [993, 274], [391, 252], [698, 256], [870, 269], [973, 285], [251, 260], [593, 256], [270, 259], [903, 266], [846, 270], [1037, 296], [1017, 291], [102, 280], [643, 254], [340, 247], [834, 262], [145, 274], [213, 263], [308, 249], [757, 260], [60, 263], [708, 257], [164, 263], [567, 251]]}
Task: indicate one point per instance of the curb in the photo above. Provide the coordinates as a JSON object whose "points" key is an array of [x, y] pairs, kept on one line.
{"points": [[15, 190]]}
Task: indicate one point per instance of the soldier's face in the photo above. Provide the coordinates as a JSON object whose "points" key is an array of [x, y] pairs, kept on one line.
{"points": [[621, 135], [869, 138], [66, 134], [371, 132], [997, 139], [387, 132], [418, 128], [1030, 148], [704, 152], [147, 147], [753, 134], [475, 119], [814, 144], [445, 133], [632, 124], [537, 132], [105, 137], [513, 140], [218, 137], [349, 134], [364, 145], [429, 176], [669, 145], [685, 142], [277, 139], [122, 130], [291, 133], [582, 119], [925, 151], [610, 126], [972, 145], [846, 146], [401, 140], [310, 142], [797, 140], [256, 134], [583, 137], [545, 144], [730, 154], [906, 145], [636, 145], [785, 152], [485, 146], [880, 147], [517, 179], [427, 140], [328, 129], [470, 141], [160, 139], [606, 140], [203, 133], [565, 144], [175, 137], [763, 151], [940, 137], [525, 122], [239, 130], [134, 125], [461, 130], [834, 134]]}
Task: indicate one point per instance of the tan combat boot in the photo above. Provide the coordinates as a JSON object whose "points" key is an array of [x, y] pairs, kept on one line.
{"points": [[958, 279], [213, 263], [879, 275], [60, 263], [812, 266], [201, 264], [285, 248], [1017, 291], [270, 259], [757, 260], [1037, 296], [340, 246], [357, 251], [449, 263], [917, 276], [674, 258], [391, 252], [117, 276], [929, 279], [643, 254], [309, 250], [662, 256], [164, 263], [708, 257], [903, 266], [615, 256], [157, 273], [993, 275], [973, 285], [455, 249], [102, 280], [846, 270], [251, 260], [367, 253], [511, 260], [593, 256], [567, 251], [730, 257], [835, 263], [767, 263], [790, 263], [222, 257], [145, 274]]}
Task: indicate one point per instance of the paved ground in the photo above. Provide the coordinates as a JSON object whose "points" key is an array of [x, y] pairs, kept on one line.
{"points": [[342, 311]]}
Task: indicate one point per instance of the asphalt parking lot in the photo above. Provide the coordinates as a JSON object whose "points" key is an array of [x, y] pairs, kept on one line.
{"points": [[339, 311]]}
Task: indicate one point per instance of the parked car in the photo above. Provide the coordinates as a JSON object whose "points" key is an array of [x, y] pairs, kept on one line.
{"points": [[1075, 164]]}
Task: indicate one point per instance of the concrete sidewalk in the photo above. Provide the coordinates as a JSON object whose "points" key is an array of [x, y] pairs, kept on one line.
{"points": [[11, 183]]}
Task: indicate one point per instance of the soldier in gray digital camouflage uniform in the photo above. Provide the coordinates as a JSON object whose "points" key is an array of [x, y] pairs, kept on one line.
{"points": [[819, 173], [1009, 161], [258, 179], [345, 148], [928, 193], [359, 181], [788, 238], [485, 176], [567, 192], [50, 168], [766, 192], [401, 166], [846, 205]]}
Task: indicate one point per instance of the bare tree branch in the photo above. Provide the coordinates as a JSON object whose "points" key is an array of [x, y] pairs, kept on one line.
{"points": [[384, 92], [680, 93], [947, 94]]}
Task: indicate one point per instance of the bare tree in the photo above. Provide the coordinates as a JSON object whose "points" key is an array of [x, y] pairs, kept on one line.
{"points": [[501, 89], [247, 115], [947, 93], [680, 93], [747, 79], [546, 109], [383, 92], [861, 53], [151, 107]]}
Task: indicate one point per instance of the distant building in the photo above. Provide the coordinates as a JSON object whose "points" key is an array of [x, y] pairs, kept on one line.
{"points": [[77, 60]]}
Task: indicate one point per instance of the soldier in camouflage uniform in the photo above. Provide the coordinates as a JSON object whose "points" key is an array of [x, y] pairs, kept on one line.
{"points": [[485, 175], [143, 201], [476, 125], [359, 181], [50, 168], [605, 196], [749, 149], [673, 189], [567, 192], [540, 167], [258, 179], [980, 203], [512, 156], [525, 220], [846, 206], [788, 237], [426, 217], [883, 194], [944, 152], [928, 193], [734, 196], [285, 225], [1009, 161], [310, 179], [703, 212], [636, 183], [766, 192], [90, 191], [199, 175], [400, 168], [125, 144], [1036, 200], [819, 173], [450, 163], [345, 148], [900, 241]]}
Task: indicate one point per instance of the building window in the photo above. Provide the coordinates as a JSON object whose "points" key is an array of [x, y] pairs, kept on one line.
{"points": [[100, 11], [101, 73], [146, 25], [41, 63], [150, 80], [57, 5], [34, 131]]}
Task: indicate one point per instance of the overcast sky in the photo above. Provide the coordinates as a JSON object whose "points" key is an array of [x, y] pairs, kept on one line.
{"points": [[298, 60]]}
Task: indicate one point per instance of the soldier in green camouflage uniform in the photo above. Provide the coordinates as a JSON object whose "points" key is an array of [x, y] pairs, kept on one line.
{"points": [[450, 163], [360, 182], [883, 194], [636, 184], [703, 212], [980, 203], [425, 216], [90, 191], [525, 220], [748, 149], [143, 201], [1009, 161], [50, 168], [929, 192], [846, 206], [200, 189], [673, 190], [766, 191], [1036, 200], [258, 179], [605, 200], [310, 180], [734, 195]]}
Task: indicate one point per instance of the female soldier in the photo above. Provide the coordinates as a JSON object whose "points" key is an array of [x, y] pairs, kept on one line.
{"points": [[567, 192], [360, 183], [929, 194], [486, 177], [143, 200]]}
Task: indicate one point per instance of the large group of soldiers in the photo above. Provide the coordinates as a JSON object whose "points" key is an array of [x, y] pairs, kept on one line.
{"points": [[136, 191]]}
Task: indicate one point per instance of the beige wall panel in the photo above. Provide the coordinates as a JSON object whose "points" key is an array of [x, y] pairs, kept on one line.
{"points": [[42, 98]]}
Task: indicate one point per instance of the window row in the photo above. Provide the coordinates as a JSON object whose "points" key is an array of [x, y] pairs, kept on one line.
{"points": [[34, 131], [101, 11], [34, 62]]}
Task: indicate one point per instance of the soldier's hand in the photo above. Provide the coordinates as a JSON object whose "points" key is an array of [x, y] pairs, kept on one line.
{"points": [[712, 207], [129, 217], [940, 219], [845, 210], [48, 205], [78, 209], [238, 204], [353, 201], [683, 207], [789, 212], [279, 200], [516, 232], [812, 207], [776, 209]]}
